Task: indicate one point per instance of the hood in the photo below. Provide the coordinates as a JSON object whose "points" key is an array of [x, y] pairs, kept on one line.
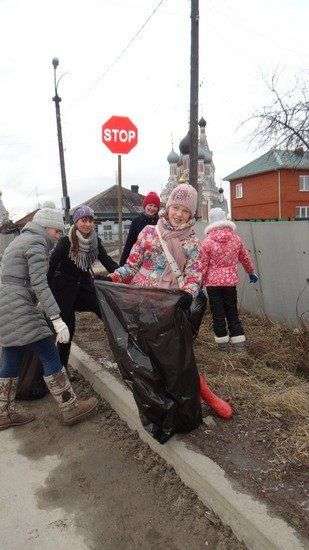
{"points": [[221, 232], [36, 229]]}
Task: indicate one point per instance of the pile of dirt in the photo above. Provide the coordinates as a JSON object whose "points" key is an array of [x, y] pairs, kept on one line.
{"points": [[265, 447]]}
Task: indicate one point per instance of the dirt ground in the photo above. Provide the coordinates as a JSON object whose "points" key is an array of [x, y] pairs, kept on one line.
{"points": [[104, 489], [265, 447]]}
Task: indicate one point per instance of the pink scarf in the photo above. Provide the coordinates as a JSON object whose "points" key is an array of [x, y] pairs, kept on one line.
{"points": [[175, 238]]}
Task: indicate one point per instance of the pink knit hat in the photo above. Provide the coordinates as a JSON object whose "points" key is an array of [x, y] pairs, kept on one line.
{"points": [[183, 195]]}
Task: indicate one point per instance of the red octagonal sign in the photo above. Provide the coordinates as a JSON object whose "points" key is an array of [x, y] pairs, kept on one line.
{"points": [[119, 134]]}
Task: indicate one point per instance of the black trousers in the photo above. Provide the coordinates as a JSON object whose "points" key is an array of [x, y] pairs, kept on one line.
{"points": [[85, 301], [223, 306]]}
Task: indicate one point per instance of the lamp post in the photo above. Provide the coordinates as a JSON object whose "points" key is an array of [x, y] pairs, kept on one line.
{"points": [[57, 99]]}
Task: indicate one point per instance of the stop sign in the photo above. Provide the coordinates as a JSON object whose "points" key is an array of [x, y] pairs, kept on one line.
{"points": [[119, 134]]}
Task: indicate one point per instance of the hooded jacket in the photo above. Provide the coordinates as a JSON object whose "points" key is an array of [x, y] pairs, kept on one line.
{"points": [[221, 252], [24, 284]]}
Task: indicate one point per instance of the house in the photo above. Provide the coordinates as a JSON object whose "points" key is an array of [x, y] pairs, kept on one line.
{"points": [[19, 224], [105, 206], [274, 186]]}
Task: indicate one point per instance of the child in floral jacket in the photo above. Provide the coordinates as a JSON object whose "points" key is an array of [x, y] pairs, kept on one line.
{"points": [[174, 237], [220, 254]]}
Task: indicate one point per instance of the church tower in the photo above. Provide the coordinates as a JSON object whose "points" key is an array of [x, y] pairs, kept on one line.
{"points": [[209, 196]]}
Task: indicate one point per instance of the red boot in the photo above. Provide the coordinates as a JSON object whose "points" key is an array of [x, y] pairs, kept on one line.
{"points": [[222, 408]]}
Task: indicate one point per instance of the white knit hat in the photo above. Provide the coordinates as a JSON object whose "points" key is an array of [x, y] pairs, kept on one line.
{"points": [[183, 195], [49, 217], [216, 215]]}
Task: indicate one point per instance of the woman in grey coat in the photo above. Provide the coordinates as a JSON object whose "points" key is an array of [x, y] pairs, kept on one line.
{"points": [[25, 302]]}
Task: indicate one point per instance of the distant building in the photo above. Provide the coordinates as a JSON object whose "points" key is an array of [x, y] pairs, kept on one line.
{"points": [[273, 186], [105, 206], [209, 196]]}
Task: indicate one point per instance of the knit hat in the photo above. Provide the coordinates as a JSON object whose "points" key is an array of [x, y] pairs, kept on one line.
{"points": [[152, 198], [49, 217], [216, 215], [83, 211], [183, 195]]}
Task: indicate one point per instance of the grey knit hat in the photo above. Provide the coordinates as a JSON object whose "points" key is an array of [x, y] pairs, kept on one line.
{"points": [[49, 217]]}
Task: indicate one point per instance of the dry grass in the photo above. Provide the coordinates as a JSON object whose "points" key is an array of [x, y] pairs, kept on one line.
{"points": [[266, 379]]}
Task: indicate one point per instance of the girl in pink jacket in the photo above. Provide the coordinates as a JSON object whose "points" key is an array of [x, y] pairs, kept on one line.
{"points": [[221, 251]]}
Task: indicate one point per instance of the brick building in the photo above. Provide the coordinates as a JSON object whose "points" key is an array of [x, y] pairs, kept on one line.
{"points": [[274, 186]]}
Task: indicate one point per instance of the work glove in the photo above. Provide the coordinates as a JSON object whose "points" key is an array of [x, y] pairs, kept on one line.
{"points": [[253, 278], [62, 331]]}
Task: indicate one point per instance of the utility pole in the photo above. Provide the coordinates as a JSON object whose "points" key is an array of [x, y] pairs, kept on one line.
{"points": [[194, 87], [57, 99]]}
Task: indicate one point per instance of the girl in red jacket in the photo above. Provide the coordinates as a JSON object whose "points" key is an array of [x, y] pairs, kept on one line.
{"points": [[221, 251]]}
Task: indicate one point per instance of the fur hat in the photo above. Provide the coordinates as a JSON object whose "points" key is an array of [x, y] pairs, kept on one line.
{"points": [[183, 195], [152, 198], [83, 211], [49, 217]]}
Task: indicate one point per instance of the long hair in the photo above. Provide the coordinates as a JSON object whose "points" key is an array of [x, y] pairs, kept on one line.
{"points": [[74, 241]]}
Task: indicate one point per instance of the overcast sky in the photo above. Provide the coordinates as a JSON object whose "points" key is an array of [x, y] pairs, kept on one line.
{"points": [[241, 41]]}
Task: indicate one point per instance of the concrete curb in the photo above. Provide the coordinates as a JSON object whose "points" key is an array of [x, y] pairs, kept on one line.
{"points": [[249, 519]]}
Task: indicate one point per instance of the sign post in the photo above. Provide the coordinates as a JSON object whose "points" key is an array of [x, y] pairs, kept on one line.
{"points": [[120, 135], [120, 235]]}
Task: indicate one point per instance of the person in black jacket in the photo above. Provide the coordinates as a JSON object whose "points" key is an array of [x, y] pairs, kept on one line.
{"points": [[148, 217], [69, 274]]}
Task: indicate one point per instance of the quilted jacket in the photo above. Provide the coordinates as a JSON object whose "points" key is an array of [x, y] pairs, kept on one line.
{"points": [[221, 252], [23, 285]]}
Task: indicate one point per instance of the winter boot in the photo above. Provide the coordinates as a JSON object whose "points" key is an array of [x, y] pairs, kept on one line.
{"points": [[222, 342], [72, 410], [239, 343], [9, 416], [222, 408]]}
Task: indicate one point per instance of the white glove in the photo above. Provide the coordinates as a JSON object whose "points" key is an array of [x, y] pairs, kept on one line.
{"points": [[62, 331]]}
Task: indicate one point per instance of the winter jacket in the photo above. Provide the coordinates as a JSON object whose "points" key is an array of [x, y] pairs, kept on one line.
{"points": [[221, 251], [136, 227], [23, 285], [147, 262], [66, 280]]}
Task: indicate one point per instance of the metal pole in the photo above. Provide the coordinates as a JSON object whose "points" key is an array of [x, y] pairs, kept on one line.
{"points": [[119, 205], [65, 199], [194, 86]]}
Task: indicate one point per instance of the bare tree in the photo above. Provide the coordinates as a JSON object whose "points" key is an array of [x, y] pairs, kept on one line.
{"points": [[284, 123]]}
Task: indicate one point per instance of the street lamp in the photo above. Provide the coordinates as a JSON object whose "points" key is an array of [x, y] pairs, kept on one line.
{"points": [[221, 196], [57, 99]]}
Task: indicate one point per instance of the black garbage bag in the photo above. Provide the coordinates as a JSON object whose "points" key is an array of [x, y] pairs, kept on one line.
{"points": [[150, 334], [197, 312], [31, 384]]}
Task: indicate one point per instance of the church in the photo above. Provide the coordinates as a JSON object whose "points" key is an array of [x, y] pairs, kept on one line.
{"points": [[209, 195]]}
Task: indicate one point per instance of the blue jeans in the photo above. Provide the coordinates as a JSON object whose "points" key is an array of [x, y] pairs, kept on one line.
{"points": [[45, 349]]}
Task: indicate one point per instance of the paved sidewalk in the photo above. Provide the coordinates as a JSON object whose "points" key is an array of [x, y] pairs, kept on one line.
{"points": [[95, 486]]}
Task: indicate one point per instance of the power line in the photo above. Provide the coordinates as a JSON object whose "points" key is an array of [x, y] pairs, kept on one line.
{"points": [[124, 50]]}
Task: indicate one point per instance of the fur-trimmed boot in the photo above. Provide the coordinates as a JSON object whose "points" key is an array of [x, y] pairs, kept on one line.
{"points": [[239, 343], [222, 342], [73, 410], [221, 407], [9, 416]]}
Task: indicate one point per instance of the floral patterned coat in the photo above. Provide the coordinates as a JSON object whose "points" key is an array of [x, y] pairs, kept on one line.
{"points": [[147, 262], [221, 251]]}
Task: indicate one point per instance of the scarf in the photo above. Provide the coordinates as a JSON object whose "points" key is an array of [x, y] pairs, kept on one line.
{"points": [[87, 250], [175, 237]]}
